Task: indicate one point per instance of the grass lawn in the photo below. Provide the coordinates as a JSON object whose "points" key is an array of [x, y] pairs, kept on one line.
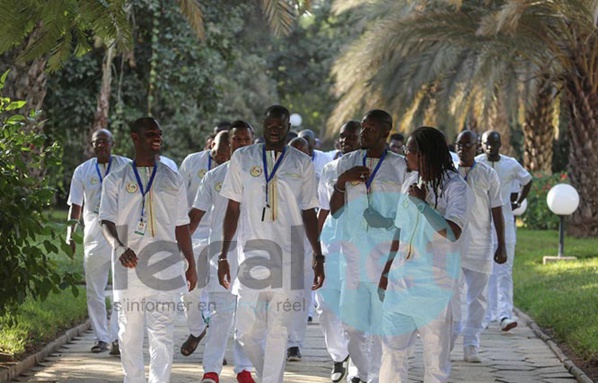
{"points": [[561, 297], [37, 323]]}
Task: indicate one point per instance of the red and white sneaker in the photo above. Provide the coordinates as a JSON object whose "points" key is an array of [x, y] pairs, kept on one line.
{"points": [[245, 377], [210, 377]]}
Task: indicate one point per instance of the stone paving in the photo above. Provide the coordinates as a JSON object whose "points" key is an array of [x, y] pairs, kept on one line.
{"points": [[514, 357]]}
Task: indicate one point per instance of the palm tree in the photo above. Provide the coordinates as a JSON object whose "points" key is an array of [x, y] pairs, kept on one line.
{"points": [[530, 51]]}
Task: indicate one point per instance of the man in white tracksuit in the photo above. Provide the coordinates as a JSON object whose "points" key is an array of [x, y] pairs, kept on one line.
{"points": [[421, 281], [85, 191], [478, 257], [328, 297], [299, 325], [271, 191], [144, 218], [193, 169], [364, 200], [500, 287], [222, 303]]}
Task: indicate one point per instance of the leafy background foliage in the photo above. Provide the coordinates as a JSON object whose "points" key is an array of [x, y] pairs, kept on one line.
{"points": [[25, 233]]}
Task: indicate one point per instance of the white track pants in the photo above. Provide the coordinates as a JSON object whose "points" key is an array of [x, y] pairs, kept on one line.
{"points": [[156, 314], [97, 268], [361, 314], [299, 322], [500, 288], [196, 301], [262, 325], [476, 289], [334, 336], [222, 308], [400, 338]]}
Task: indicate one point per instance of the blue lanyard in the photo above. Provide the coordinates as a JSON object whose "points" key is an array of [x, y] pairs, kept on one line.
{"points": [[209, 162], [470, 169], [369, 181], [276, 166], [149, 185], [107, 170]]}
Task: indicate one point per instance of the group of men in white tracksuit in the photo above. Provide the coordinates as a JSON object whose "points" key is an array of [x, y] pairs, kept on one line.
{"points": [[251, 211]]}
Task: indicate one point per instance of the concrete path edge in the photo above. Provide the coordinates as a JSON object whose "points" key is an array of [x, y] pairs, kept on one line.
{"points": [[568, 363], [6, 375]]}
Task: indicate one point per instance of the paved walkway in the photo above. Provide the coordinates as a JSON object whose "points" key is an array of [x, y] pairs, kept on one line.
{"points": [[514, 357]]}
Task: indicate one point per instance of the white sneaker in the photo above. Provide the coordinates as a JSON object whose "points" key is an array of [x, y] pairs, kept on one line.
{"points": [[507, 324], [470, 354]]}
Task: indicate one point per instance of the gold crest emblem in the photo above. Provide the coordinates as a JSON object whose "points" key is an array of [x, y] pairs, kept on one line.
{"points": [[202, 172], [218, 186], [132, 187], [256, 171], [94, 180]]}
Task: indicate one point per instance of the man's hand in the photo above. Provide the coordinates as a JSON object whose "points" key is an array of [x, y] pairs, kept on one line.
{"points": [[356, 173], [318, 275], [73, 245], [417, 192], [500, 256], [382, 284], [128, 258], [191, 276], [224, 273], [377, 220]]}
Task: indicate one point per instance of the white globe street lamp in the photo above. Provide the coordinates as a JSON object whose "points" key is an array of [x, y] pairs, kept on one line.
{"points": [[296, 120], [562, 200]]}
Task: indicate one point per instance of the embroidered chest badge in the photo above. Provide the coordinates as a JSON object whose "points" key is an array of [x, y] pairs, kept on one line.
{"points": [[94, 180], [132, 187], [201, 173], [256, 171], [218, 186]]}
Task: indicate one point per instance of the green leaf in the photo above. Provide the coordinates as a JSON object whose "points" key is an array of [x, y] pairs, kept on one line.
{"points": [[16, 105]]}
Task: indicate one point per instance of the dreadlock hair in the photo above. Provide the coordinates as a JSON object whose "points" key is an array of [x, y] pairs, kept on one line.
{"points": [[435, 160]]}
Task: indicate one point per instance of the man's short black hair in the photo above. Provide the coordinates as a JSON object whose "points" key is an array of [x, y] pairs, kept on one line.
{"points": [[144, 123], [397, 137], [380, 116], [240, 124], [278, 111]]}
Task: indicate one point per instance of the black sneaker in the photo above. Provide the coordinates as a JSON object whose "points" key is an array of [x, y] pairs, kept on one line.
{"points": [[293, 354], [339, 371], [115, 350], [99, 346], [356, 379]]}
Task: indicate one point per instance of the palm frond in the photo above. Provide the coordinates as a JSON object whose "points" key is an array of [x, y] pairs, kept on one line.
{"points": [[280, 16], [191, 9]]}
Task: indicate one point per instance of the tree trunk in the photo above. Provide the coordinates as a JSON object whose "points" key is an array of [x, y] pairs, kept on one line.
{"points": [[27, 82], [539, 131], [583, 156], [103, 105]]}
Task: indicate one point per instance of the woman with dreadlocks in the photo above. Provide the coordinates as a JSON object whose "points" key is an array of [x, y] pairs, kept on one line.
{"points": [[430, 220]]}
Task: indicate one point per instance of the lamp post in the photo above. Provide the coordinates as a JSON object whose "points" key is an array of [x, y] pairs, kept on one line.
{"points": [[562, 200]]}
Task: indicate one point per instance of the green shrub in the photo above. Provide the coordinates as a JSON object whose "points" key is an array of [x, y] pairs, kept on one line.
{"points": [[538, 216], [27, 265]]}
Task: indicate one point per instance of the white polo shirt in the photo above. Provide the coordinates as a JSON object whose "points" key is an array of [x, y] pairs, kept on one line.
{"points": [[279, 228], [208, 199], [193, 169], [509, 171], [331, 236], [160, 267], [427, 265], [484, 182], [86, 191], [365, 249]]}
